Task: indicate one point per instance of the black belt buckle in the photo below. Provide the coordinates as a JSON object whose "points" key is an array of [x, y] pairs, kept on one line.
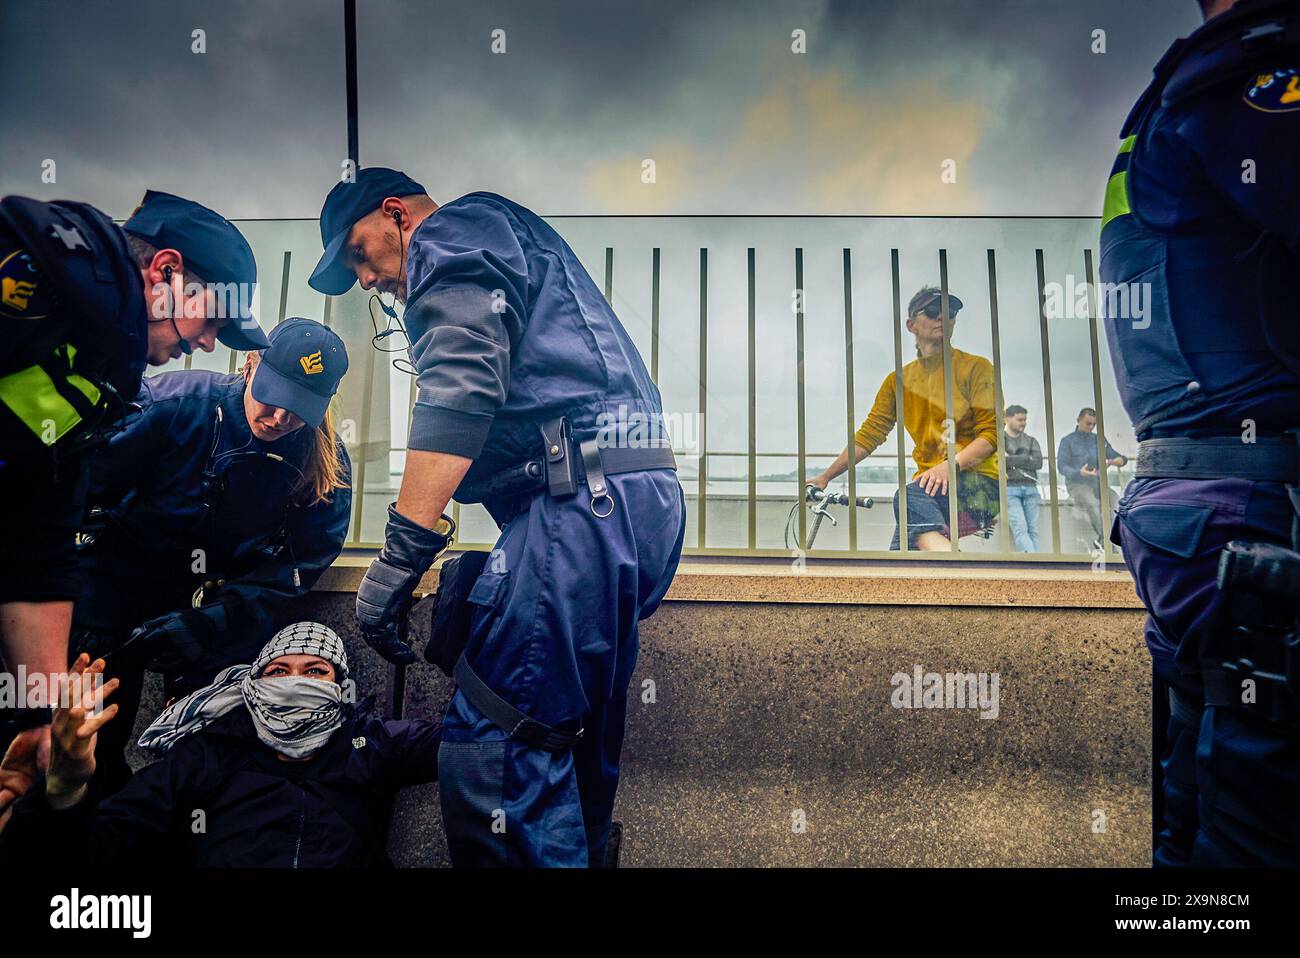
{"points": [[536, 735], [557, 447]]}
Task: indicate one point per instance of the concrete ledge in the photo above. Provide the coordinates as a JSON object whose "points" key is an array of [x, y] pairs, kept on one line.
{"points": [[745, 718], [857, 582], [739, 819]]}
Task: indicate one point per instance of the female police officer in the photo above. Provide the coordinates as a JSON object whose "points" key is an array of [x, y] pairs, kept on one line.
{"points": [[226, 497]]}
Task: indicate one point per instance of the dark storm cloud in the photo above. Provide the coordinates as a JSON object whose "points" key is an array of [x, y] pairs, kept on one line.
{"points": [[563, 121]]}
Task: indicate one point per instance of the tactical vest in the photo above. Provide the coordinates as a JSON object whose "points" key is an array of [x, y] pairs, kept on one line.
{"points": [[74, 323], [1237, 281]]}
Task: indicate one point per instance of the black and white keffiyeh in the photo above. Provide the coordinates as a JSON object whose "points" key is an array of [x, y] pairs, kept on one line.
{"points": [[294, 715]]}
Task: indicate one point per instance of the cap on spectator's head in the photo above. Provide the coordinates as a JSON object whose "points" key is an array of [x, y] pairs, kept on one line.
{"points": [[213, 248], [346, 203], [301, 369], [932, 294]]}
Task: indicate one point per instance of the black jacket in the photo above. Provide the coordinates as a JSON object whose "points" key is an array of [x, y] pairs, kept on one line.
{"points": [[1024, 458], [220, 798]]}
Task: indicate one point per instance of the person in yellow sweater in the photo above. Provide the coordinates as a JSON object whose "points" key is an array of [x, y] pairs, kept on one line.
{"points": [[924, 413]]}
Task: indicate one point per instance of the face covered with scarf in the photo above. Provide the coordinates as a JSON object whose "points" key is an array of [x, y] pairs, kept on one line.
{"points": [[293, 692]]}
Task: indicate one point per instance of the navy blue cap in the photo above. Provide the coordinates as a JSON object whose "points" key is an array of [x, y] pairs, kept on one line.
{"points": [[301, 369], [933, 294], [216, 250], [347, 203]]}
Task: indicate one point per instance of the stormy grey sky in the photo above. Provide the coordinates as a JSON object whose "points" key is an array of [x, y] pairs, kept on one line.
{"points": [[735, 122]]}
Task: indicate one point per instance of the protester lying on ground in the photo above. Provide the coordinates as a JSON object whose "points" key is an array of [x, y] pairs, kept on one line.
{"points": [[267, 767]]}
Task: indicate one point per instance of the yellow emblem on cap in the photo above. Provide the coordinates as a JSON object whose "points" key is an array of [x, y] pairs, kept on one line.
{"points": [[312, 364]]}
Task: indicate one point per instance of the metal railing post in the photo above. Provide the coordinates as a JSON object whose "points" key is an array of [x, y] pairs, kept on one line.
{"points": [[950, 423], [1047, 400], [850, 447], [903, 544], [999, 402]]}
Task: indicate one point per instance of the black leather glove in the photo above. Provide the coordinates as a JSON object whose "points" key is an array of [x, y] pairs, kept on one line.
{"points": [[176, 640], [96, 644], [384, 596]]}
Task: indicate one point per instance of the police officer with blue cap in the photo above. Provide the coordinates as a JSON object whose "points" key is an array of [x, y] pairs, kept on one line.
{"points": [[84, 307], [224, 499], [532, 399], [1202, 224]]}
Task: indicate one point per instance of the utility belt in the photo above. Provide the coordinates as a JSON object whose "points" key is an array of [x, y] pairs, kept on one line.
{"points": [[1267, 459], [1273, 699], [1251, 659], [562, 466]]}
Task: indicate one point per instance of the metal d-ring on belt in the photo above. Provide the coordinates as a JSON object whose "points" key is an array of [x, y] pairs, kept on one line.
{"points": [[596, 482]]}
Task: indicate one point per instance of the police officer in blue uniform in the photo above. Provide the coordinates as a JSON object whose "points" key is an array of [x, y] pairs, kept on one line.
{"points": [[1202, 220], [532, 399], [84, 306], [224, 499]]}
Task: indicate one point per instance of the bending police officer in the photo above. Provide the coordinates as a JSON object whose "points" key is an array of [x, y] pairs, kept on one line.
{"points": [[525, 380], [84, 306]]}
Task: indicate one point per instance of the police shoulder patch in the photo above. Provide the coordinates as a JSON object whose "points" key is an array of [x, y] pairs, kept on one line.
{"points": [[1275, 92], [23, 290]]}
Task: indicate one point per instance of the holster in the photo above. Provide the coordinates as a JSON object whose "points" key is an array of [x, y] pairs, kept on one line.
{"points": [[1252, 661], [449, 632], [557, 448]]}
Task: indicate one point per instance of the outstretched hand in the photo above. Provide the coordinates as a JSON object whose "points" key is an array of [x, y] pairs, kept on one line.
{"points": [[77, 721], [27, 756]]}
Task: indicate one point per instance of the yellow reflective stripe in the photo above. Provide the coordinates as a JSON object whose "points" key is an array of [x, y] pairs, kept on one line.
{"points": [[31, 395], [84, 385], [1117, 187], [1116, 198]]}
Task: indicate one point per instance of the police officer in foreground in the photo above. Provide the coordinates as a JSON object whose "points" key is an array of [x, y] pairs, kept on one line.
{"points": [[84, 306], [1203, 210], [533, 400]]}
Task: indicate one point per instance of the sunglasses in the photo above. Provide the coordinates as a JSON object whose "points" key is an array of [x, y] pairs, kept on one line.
{"points": [[935, 309]]}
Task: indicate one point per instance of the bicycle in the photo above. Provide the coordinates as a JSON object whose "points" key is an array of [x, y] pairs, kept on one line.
{"points": [[821, 499]]}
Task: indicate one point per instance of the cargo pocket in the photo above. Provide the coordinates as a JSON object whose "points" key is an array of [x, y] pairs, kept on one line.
{"points": [[489, 588], [471, 790], [484, 606], [1168, 526]]}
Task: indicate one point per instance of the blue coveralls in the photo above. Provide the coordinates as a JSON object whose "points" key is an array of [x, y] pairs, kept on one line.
{"points": [[508, 331], [188, 498], [1204, 194]]}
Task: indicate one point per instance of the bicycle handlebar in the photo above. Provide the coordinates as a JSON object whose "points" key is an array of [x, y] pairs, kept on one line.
{"points": [[813, 494]]}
